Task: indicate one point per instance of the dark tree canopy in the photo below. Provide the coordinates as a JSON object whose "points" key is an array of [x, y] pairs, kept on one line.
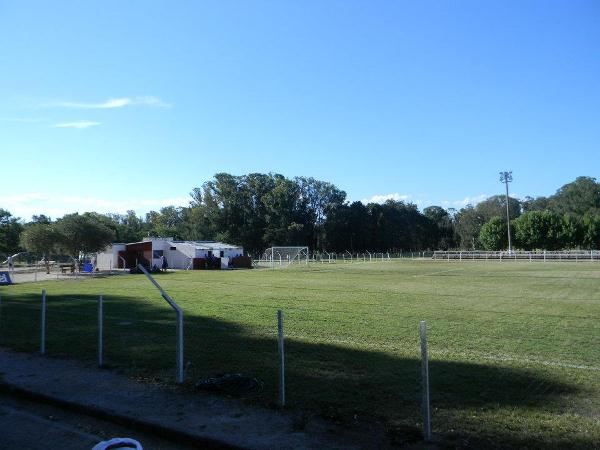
{"points": [[10, 229]]}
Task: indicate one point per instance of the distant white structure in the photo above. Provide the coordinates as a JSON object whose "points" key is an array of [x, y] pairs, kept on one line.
{"points": [[179, 254]]}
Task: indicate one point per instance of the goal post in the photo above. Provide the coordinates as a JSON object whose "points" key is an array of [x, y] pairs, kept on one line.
{"points": [[285, 256]]}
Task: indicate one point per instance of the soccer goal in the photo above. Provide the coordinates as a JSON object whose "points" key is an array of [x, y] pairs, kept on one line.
{"points": [[284, 256]]}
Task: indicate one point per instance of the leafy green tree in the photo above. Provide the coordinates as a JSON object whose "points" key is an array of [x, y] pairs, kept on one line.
{"points": [[591, 231], [470, 219], [88, 232], [468, 225], [166, 223], [535, 204], [41, 219], [442, 229], [493, 234], [541, 230], [495, 206], [579, 197], [572, 233], [286, 214], [40, 238], [128, 227], [319, 198], [10, 229]]}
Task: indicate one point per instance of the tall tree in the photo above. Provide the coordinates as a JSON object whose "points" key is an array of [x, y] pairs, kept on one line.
{"points": [[10, 229], [539, 230], [442, 227], [40, 238], [579, 197], [468, 225], [87, 233], [166, 223], [470, 219], [591, 231], [494, 235]]}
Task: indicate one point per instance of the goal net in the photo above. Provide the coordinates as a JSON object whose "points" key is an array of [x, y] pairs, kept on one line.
{"points": [[284, 256]]}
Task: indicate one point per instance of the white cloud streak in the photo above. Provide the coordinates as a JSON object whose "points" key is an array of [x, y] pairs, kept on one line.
{"points": [[79, 124], [465, 201], [112, 103], [382, 198], [26, 205]]}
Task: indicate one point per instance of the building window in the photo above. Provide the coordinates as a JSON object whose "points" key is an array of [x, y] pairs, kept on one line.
{"points": [[172, 248], [156, 254], [222, 253]]}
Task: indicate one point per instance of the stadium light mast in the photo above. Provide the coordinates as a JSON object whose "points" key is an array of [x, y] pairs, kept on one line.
{"points": [[506, 177]]}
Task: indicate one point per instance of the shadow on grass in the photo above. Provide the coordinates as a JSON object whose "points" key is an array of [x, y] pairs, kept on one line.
{"points": [[347, 385]]}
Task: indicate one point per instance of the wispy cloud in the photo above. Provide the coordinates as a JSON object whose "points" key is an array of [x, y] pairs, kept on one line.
{"points": [[79, 124], [465, 201], [382, 198], [55, 206], [111, 103]]}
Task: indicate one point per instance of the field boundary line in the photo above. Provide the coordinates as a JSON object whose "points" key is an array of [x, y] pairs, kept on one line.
{"points": [[436, 273], [543, 362]]}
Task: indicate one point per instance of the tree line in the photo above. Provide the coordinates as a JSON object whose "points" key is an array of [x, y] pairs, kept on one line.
{"points": [[258, 211]]}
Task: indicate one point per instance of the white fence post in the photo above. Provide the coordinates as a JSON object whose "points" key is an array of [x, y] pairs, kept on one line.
{"points": [[281, 358], [100, 332], [43, 325], [425, 379]]}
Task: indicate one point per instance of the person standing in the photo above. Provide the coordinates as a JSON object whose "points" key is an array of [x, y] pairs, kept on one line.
{"points": [[46, 264], [11, 266], [163, 263]]}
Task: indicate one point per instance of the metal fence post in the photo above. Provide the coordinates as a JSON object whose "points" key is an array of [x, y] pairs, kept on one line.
{"points": [[100, 332], [179, 331], [43, 325], [180, 375], [281, 358], [425, 381]]}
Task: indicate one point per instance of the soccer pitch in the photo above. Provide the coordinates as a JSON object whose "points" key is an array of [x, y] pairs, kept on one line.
{"points": [[514, 347]]}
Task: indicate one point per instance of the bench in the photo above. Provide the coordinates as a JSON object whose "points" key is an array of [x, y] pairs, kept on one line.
{"points": [[65, 267]]}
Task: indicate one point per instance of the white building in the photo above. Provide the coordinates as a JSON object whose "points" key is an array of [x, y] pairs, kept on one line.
{"points": [[179, 254]]}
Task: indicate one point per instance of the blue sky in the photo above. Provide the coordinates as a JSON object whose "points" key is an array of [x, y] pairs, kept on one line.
{"points": [[116, 105]]}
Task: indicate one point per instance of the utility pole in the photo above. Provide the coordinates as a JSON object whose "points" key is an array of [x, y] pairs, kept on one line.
{"points": [[506, 177]]}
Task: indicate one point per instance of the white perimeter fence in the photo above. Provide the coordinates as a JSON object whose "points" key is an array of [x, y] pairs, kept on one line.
{"points": [[452, 255], [341, 257], [564, 255]]}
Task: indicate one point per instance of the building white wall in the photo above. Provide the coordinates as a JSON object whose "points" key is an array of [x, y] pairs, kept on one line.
{"points": [[180, 258], [109, 258]]}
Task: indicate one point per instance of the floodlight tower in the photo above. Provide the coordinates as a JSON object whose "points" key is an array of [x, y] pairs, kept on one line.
{"points": [[506, 177]]}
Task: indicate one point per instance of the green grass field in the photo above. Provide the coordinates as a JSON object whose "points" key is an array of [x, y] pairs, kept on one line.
{"points": [[514, 347]]}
